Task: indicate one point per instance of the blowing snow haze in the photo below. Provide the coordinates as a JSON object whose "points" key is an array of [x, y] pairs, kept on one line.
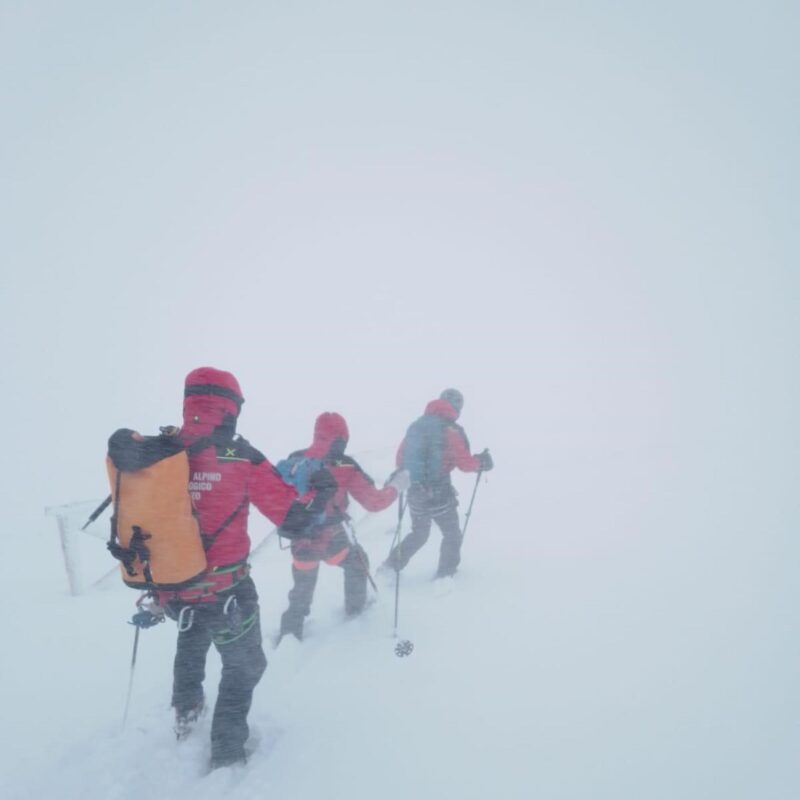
{"points": [[581, 216]]}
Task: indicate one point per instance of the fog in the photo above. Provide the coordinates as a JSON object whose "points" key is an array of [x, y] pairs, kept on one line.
{"points": [[581, 215]]}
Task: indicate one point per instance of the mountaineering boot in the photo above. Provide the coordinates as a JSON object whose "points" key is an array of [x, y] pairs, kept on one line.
{"points": [[185, 721], [387, 576], [227, 760], [386, 572], [291, 623], [386, 567], [445, 572]]}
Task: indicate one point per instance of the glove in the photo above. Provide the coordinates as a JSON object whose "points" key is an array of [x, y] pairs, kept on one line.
{"points": [[400, 480], [485, 460]]}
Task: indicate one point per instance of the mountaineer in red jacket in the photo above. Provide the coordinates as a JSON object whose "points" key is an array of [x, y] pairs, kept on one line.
{"points": [[434, 445], [226, 474], [329, 541]]}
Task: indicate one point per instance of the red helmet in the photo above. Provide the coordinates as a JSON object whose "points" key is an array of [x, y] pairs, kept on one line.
{"points": [[210, 396]]}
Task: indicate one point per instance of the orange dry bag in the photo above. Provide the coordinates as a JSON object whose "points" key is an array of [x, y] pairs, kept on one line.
{"points": [[154, 530]]}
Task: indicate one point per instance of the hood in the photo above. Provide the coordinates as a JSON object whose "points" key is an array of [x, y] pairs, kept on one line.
{"points": [[441, 408], [330, 436], [212, 399]]}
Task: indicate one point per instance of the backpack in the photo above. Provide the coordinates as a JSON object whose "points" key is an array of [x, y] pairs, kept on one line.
{"points": [[154, 530], [423, 449], [297, 469]]}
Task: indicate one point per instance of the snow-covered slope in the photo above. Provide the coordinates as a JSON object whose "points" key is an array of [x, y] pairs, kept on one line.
{"points": [[540, 671]]}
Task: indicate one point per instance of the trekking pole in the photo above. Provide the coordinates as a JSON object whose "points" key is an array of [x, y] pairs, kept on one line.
{"points": [[148, 615], [396, 599], [405, 647], [469, 510], [97, 512], [401, 507], [130, 680]]}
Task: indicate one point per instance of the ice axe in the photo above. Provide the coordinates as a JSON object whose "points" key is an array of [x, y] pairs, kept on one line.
{"points": [[97, 512]]}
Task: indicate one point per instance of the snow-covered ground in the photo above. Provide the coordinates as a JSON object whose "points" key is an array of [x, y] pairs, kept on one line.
{"points": [[542, 670]]}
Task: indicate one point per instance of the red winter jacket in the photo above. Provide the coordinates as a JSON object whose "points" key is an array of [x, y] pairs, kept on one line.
{"points": [[224, 480], [330, 438], [456, 445]]}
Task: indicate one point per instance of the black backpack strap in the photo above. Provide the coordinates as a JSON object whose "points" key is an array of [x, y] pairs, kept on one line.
{"points": [[210, 538], [113, 545], [139, 550], [195, 447]]}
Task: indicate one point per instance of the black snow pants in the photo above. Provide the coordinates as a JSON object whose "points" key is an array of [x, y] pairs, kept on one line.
{"points": [[236, 633], [334, 548], [431, 503]]}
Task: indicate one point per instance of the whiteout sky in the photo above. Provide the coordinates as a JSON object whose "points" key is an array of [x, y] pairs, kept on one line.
{"points": [[582, 215]]}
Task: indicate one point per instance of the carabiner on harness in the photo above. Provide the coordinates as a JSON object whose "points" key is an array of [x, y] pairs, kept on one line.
{"points": [[233, 615], [185, 619]]}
